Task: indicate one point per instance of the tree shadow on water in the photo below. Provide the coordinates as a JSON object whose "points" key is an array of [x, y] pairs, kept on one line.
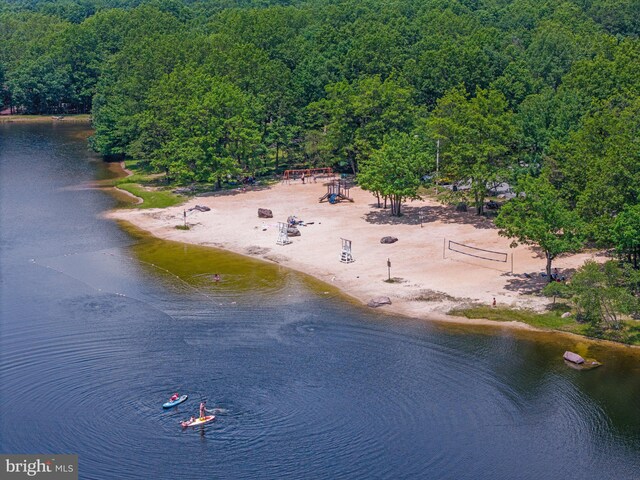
{"points": [[425, 215]]}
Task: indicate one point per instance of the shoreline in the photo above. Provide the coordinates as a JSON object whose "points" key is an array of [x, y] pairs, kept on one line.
{"points": [[76, 118], [468, 325], [232, 225]]}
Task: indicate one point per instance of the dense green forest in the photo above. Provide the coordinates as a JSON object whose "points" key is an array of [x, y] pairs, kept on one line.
{"points": [[543, 95]]}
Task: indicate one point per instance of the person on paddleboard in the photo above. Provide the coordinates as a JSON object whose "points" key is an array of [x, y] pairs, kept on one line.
{"points": [[188, 422], [175, 396], [203, 409]]}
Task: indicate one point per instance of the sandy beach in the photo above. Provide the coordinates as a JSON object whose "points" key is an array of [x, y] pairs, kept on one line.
{"points": [[429, 279]]}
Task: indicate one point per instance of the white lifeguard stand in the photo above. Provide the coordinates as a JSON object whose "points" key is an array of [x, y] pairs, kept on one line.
{"points": [[345, 255], [283, 237]]}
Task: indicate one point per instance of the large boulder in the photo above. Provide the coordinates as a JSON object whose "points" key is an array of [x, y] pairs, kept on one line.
{"points": [[379, 301], [265, 213], [293, 232], [573, 357], [388, 240], [565, 315]]}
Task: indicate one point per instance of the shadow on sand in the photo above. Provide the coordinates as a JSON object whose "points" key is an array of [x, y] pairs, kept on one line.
{"points": [[425, 215], [234, 191]]}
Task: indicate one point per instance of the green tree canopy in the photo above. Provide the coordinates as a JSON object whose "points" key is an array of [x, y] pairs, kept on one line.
{"points": [[395, 170], [538, 216], [199, 128], [479, 138], [626, 234], [356, 116]]}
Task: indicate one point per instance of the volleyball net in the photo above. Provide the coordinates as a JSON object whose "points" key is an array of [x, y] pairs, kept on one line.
{"points": [[476, 252]]}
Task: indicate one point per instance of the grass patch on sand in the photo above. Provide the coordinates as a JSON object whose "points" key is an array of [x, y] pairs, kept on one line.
{"points": [[151, 198], [147, 186], [628, 333], [548, 320]]}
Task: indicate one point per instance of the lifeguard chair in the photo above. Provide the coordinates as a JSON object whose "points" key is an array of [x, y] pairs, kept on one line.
{"points": [[345, 255], [283, 237]]}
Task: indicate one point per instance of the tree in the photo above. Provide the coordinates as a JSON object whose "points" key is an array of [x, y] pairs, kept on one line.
{"points": [[479, 138], [556, 289], [600, 296], [199, 128], [538, 216], [626, 235], [356, 116], [395, 170], [598, 167]]}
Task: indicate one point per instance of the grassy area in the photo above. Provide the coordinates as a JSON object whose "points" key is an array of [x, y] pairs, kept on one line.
{"points": [[146, 185], [552, 320], [151, 198], [549, 320]]}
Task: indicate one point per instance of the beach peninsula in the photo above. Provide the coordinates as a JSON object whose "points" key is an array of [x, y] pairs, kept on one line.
{"points": [[426, 279]]}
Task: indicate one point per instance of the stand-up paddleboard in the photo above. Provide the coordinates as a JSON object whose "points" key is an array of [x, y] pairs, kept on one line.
{"points": [[177, 401], [198, 421]]}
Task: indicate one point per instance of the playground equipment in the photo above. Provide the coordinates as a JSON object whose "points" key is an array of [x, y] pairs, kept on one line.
{"points": [[336, 191], [345, 255], [283, 237], [307, 173]]}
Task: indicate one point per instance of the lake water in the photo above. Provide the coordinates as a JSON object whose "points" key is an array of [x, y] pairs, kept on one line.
{"points": [[100, 325]]}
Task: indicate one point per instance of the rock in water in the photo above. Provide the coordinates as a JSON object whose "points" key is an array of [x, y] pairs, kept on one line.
{"points": [[388, 240], [573, 357], [265, 213], [379, 301]]}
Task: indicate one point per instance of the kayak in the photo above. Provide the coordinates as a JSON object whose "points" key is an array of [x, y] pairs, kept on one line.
{"points": [[177, 401], [198, 421]]}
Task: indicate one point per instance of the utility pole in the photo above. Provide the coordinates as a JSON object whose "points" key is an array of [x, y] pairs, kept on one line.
{"points": [[437, 164]]}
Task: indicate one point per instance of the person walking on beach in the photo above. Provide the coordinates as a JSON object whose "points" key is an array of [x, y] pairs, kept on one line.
{"points": [[494, 302]]}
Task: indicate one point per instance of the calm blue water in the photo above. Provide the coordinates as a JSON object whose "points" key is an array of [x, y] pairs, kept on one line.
{"points": [[95, 335]]}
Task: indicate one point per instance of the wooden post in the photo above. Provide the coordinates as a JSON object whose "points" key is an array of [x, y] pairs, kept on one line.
{"points": [[389, 268]]}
